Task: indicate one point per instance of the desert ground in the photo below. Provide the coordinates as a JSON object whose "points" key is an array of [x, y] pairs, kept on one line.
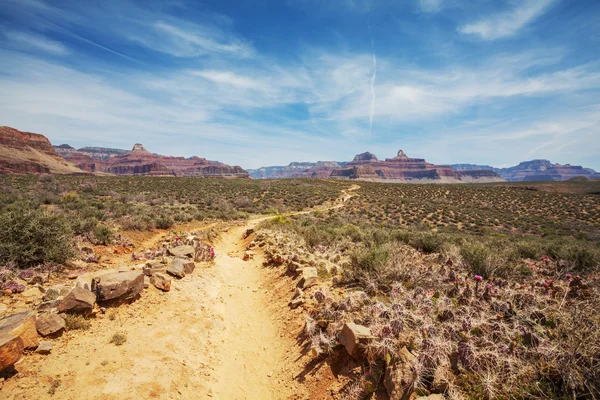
{"points": [[316, 290]]}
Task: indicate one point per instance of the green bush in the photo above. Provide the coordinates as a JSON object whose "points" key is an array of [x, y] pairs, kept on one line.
{"points": [[32, 236], [370, 259], [103, 234], [478, 258], [164, 222], [427, 242]]}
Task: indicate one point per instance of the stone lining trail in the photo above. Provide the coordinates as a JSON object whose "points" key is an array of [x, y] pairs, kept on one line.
{"points": [[215, 335]]}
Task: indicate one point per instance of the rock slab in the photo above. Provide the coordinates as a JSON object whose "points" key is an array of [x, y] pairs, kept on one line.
{"points": [[118, 286], [352, 335], [50, 324], [17, 332], [161, 282], [182, 251], [180, 267], [79, 300]]}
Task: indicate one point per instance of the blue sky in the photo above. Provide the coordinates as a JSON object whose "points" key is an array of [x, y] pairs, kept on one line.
{"points": [[256, 83]]}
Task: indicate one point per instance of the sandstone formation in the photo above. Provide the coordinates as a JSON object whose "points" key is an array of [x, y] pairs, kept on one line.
{"points": [[537, 170], [79, 159], [30, 153], [320, 169], [402, 168], [139, 161]]}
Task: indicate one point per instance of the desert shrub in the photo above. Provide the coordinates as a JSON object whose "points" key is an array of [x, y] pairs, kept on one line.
{"points": [[529, 249], [164, 222], [118, 339], [427, 242], [32, 236], [478, 258], [76, 322], [369, 259], [103, 234]]}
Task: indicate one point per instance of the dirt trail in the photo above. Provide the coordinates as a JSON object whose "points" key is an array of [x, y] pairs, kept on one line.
{"points": [[215, 335]]}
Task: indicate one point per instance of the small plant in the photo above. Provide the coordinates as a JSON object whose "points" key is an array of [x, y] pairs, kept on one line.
{"points": [[118, 339], [76, 322], [103, 234]]}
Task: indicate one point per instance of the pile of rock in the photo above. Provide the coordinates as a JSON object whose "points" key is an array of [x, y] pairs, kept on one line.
{"points": [[90, 294]]}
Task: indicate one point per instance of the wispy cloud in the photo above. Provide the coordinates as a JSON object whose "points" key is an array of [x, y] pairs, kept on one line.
{"points": [[35, 42], [508, 23], [430, 6], [184, 39]]}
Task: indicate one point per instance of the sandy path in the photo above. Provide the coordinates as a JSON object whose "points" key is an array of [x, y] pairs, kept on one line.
{"points": [[215, 335]]}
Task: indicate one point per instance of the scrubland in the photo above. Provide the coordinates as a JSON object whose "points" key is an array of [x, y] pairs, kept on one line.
{"points": [[468, 291]]}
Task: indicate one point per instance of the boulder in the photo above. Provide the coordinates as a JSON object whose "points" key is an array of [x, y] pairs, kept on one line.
{"points": [[309, 277], [50, 324], [352, 335], [161, 282], [399, 379], [118, 286], [78, 300], [180, 267], [182, 251], [23, 326], [11, 350], [45, 347], [17, 332], [152, 267]]}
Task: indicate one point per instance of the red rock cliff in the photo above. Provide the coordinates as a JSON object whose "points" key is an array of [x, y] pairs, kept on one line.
{"points": [[30, 153]]}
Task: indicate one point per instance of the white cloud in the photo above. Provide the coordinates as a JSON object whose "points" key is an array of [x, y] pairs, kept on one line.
{"points": [[34, 41], [231, 78], [508, 23]]}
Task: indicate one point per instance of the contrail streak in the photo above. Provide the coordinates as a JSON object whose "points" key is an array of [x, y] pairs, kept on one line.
{"points": [[372, 111]]}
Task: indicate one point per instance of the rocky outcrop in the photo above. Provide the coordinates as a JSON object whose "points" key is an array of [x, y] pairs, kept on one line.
{"points": [[320, 169], [139, 161], [101, 153], [30, 153], [536, 170], [402, 168], [79, 159]]}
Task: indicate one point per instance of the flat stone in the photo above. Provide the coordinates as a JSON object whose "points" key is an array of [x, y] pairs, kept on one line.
{"points": [[118, 286], [50, 324], [78, 300], [45, 347], [161, 282], [309, 277], [352, 335], [23, 325], [179, 267], [182, 251]]}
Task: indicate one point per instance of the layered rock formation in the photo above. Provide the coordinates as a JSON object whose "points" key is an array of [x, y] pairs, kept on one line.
{"points": [[538, 170], [402, 168], [30, 153], [139, 161], [320, 169], [79, 159]]}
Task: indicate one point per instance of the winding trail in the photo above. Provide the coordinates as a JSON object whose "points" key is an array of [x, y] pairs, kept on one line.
{"points": [[220, 333]]}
